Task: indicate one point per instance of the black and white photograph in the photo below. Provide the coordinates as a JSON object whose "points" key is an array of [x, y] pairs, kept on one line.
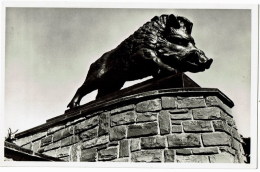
{"points": [[124, 85]]}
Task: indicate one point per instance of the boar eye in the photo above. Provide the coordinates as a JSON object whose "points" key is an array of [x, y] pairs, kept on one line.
{"points": [[179, 41]]}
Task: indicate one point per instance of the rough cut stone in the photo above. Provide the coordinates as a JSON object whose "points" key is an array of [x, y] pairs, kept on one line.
{"points": [[67, 131], [215, 101], [205, 151], [23, 141], [89, 134], [113, 143], [221, 126], [216, 139], [124, 148], [117, 133], [169, 155], [57, 135], [135, 144], [227, 149], [46, 140], [235, 145], [75, 152], [164, 122], [147, 156], [50, 153], [179, 111], [183, 140], [176, 129], [149, 105], [176, 122], [54, 129], [197, 126], [206, 113], [27, 146], [153, 142], [75, 121], [36, 146], [121, 160], [52, 146], [69, 140], [107, 154], [146, 117], [136, 130], [221, 158], [102, 140], [183, 152], [62, 152], [183, 116], [192, 159], [168, 102], [190, 102], [38, 136], [236, 135], [122, 109], [104, 123], [88, 155], [123, 118], [87, 124]]}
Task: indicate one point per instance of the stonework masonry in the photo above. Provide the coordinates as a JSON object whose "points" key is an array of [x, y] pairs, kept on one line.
{"points": [[166, 127]]}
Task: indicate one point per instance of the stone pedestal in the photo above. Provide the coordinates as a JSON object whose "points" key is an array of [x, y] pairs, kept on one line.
{"points": [[177, 125]]}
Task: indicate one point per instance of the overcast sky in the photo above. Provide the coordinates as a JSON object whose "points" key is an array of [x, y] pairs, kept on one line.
{"points": [[49, 51]]}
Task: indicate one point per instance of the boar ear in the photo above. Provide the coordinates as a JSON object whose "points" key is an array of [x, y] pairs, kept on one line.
{"points": [[173, 22], [188, 24]]}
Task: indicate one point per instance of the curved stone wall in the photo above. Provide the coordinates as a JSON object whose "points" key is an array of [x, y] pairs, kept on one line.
{"points": [[170, 125]]}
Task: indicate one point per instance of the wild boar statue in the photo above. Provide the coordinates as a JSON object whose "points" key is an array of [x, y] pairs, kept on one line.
{"points": [[162, 46]]}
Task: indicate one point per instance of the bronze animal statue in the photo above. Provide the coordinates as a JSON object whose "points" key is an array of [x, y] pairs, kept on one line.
{"points": [[162, 46]]}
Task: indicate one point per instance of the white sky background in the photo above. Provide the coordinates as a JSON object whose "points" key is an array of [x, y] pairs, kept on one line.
{"points": [[49, 51]]}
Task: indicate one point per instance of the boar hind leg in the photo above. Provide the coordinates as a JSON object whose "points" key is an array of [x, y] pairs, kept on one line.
{"points": [[110, 88], [86, 88]]}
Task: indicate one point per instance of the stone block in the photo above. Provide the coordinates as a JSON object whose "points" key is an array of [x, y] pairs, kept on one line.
{"points": [[127, 117], [147, 156], [192, 159], [38, 136], [176, 122], [181, 116], [102, 140], [216, 139], [183, 140], [100, 147], [206, 113], [221, 126], [176, 129], [57, 135], [75, 121], [149, 105], [104, 123], [169, 155], [52, 146], [153, 142], [124, 148], [107, 154], [146, 129], [135, 144], [95, 142], [89, 134], [62, 152], [179, 111], [88, 155], [67, 131], [183, 152], [227, 149], [146, 117], [236, 135], [215, 101], [113, 143], [50, 153], [54, 129], [117, 133], [66, 158], [205, 151], [197, 126], [69, 140], [169, 102], [190, 102], [23, 141], [121, 160], [75, 152], [236, 145], [36, 146], [46, 140], [122, 109], [164, 122], [87, 124], [222, 158], [27, 146]]}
